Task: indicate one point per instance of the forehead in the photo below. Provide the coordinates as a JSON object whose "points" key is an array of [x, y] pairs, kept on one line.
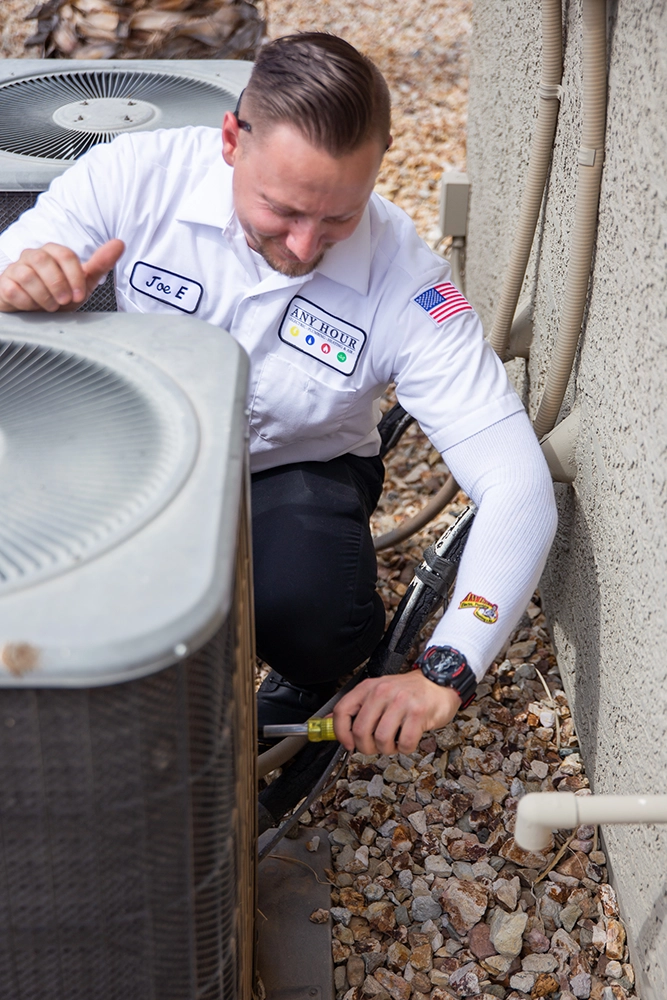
{"points": [[284, 166]]}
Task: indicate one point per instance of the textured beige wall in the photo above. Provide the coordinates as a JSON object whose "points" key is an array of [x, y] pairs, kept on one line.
{"points": [[605, 586]]}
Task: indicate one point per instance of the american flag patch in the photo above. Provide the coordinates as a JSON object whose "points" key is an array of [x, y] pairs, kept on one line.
{"points": [[442, 302]]}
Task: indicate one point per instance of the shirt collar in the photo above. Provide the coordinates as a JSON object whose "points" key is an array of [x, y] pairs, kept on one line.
{"points": [[211, 203], [349, 262]]}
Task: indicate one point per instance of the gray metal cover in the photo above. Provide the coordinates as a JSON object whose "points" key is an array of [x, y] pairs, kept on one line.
{"points": [[122, 460], [192, 102]]}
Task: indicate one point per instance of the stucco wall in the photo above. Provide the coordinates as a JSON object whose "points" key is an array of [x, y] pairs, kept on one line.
{"points": [[605, 585]]}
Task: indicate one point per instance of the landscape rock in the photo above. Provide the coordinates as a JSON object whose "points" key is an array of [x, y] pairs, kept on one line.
{"points": [[479, 941], [465, 980], [394, 772], [397, 956], [381, 916], [507, 891], [465, 903], [545, 985], [425, 908], [418, 821], [356, 971], [395, 985], [537, 941], [615, 939], [539, 963], [581, 985], [506, 931], [435, 864], [422, 958], [523, 981], [527, 859], [498, 965]]}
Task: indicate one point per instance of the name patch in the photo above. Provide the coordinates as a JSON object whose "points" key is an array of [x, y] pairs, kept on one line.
{"points": [[166, 286], [322, 336]]}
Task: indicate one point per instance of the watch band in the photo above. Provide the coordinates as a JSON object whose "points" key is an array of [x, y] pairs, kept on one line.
{"points": [[447, 667]]}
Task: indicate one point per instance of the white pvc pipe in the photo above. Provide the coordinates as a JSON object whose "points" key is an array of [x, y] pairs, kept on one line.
{"points": [[539, 813]]}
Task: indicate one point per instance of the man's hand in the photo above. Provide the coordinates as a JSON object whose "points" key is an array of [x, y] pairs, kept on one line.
{"points": [[52, 278], [368, 717]]}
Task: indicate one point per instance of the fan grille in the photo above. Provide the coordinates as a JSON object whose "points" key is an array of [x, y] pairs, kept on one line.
{"points": [[32, 107], [87, 456]]}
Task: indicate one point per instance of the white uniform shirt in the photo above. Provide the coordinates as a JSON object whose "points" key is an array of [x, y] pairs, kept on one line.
{"points": [[322, 347]]}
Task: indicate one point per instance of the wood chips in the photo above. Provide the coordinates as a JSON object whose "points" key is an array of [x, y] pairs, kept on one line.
{"points": [[137, 29]]}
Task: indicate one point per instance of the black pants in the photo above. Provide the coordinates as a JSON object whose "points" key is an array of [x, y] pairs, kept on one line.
{"points": [[317, 611]]}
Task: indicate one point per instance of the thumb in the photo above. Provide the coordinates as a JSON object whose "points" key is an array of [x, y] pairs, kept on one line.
{"points": [[103, 260]]}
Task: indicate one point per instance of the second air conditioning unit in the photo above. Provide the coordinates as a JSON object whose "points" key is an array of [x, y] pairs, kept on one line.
{"points": [[51, 113]]}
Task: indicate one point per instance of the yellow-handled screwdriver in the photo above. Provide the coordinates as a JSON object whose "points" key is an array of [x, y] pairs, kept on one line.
{"points": [[315, 729]]}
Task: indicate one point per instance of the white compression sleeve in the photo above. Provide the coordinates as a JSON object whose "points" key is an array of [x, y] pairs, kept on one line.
{"points": [[503, 471]]}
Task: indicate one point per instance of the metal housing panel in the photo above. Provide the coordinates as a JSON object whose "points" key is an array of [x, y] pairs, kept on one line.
{"points": [[161, 591]]}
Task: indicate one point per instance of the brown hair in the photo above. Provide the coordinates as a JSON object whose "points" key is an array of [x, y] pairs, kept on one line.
{"points": [[334, 95]]}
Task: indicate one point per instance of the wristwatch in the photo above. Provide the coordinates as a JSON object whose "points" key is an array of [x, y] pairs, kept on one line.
{"points": [[447, 667]]}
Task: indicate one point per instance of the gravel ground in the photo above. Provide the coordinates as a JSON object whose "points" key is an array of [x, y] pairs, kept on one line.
{"points": [[431, 896]]}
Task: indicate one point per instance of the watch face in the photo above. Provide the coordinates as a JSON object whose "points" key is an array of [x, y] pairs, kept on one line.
{"points": [[443, 663]]}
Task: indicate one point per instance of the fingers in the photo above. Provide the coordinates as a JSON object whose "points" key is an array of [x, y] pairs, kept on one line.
{"points": [[13, 298], [390, 714], [368, 718], [47, 278], [344, 713], [52, 277], [103, 260]]}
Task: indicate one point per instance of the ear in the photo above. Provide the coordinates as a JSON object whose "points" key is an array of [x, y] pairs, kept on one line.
{"points": [[230, 138]]}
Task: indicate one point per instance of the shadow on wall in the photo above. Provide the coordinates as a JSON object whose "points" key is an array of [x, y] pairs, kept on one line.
{"points": [[648, 944], [572, 569]]}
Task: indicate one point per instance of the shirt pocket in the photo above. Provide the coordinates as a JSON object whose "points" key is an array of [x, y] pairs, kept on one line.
{"points": [[289, 405]]}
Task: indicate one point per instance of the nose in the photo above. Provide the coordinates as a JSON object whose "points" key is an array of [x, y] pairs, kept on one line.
{"points": [[304, 240]]}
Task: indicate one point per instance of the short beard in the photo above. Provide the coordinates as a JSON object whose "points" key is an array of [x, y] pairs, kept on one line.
{"points": [[291, 269]]}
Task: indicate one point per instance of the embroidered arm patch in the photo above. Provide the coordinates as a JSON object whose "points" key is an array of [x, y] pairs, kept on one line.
{"points": [[442, 301], [484, 610]]}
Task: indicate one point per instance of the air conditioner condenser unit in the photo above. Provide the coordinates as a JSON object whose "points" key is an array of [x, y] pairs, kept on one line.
{"points": [[127, 743], [52, 112]]}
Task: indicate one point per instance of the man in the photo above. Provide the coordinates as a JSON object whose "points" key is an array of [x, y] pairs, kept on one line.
{"points": [[328, 288]]}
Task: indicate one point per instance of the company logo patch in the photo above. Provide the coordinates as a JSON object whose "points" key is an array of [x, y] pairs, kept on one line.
{"points": [[166, 286], [322, 336], [442, 301], [484, 610]]}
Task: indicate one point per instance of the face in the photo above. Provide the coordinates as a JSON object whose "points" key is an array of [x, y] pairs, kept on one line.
{"points": [[293, 200]]}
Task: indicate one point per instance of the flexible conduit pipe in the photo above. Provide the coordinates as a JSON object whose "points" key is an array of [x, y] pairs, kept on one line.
{"points": [[591, 155], [445, 495], [541, 812], [540, 156], [538, 168]]}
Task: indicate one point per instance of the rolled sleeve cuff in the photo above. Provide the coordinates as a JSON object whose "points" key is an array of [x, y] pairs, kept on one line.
{"points": [[476, 420]]}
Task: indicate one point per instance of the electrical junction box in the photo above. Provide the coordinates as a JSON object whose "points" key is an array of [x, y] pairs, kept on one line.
{"points": [[454, 193]]}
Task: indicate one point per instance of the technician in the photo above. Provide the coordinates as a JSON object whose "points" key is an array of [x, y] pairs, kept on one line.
{"points": [[275, 235]]}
